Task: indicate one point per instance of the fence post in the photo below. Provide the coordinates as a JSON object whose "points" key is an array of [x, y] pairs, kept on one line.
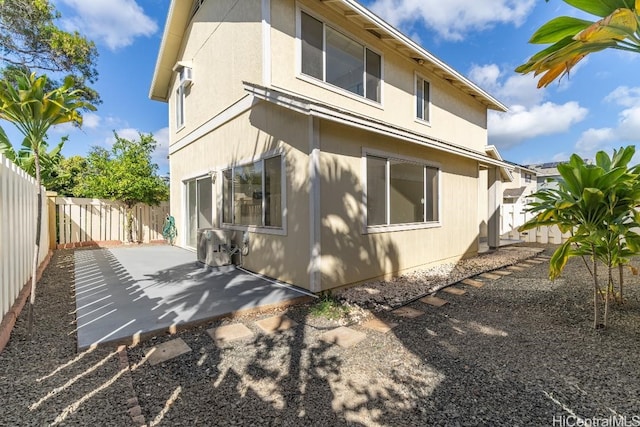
{"points": [[53, 235]]}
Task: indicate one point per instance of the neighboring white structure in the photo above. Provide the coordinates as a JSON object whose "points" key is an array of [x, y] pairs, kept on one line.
{"points": [[515, 197]]}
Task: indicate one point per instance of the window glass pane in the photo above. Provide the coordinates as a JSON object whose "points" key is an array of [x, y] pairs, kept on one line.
{"points": [[374, 66], [247, 194], [376, 191], [227, 196], [192, 214], [311, 40], [273, 192], [431, 206], [419, 98], [180, 106], [425, 102], [406, 192], [345, 62], [205, 212]]}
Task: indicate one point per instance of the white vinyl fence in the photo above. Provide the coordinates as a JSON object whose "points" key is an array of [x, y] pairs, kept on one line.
{"points": [[84, 221], [18, 210], [513, 216]]}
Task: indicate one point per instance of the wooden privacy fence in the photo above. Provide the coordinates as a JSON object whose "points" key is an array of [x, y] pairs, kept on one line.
{"points": [[83, 222], [18, 212]]}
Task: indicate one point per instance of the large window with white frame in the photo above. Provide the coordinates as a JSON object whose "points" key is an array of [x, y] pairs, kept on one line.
{"points": [[252, 194], [334, 58], [400, 192], [199, 203], [423, 99]]}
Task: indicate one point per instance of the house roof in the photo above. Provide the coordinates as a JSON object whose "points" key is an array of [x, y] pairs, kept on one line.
{"points": [[321, 109], [181, 11], [513, 193]]}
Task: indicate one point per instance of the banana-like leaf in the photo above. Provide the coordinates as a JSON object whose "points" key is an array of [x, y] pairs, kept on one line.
{"points": [[617, 26], [559, 28], [559, 259], [600, 8]]}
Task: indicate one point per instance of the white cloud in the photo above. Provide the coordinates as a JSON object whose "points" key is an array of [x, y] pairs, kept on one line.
{"points": [[625, 96], [528, 116], [521, 123], [90, 121], [116, 23], [162, 149], [126, 133], [517, 89], [454, 18], [627, 128]]}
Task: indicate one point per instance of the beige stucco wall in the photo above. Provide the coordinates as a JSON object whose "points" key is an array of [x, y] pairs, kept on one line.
{"points": [[261, 130], [348, 254], [455, 116], [223, 54]]}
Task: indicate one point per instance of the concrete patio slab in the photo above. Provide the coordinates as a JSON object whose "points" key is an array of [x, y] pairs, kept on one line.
{"points": [[167, 351], [473, 282], [227, 333], [126, 294], [434, 301], [408, 312], [275, 324], [343, 336], [490, 276], [454, 291], [379, 325]]}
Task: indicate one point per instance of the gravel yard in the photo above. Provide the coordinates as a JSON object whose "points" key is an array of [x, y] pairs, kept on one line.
{"points": [[518, 351]]}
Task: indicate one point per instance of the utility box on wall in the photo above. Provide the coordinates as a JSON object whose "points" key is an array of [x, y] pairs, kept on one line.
{"points": [[213, 247]]}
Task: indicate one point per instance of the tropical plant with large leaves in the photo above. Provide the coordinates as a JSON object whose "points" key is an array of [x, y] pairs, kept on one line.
{"points": [[595, 203], [25, 159], [26, 103], [571, 39]]}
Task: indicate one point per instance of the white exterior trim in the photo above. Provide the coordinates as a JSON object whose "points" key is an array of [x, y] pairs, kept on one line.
{"points": [[266, 42], [315, 260], [323, 110]]}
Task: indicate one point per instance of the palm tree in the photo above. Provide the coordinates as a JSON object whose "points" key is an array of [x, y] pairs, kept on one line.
{"points": [[27, 104], [595, 203], [571, 39]]}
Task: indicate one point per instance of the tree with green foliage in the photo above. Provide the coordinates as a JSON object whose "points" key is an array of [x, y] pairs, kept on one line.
{"points": [[67, 177], [596, 204], [30, 40], [33, 110], [25, 158], [571, 39], [125, 173]]}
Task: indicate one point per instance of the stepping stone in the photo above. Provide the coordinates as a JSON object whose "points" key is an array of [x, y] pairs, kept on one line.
{"points": [[490, 276], [167, 351], [454, 291], [275, 324], [545, 257], [228, 333], [542, 260], [533, 261], [516, 268], [408, 312], [502, 272], [343, 336], [434, 301], [472, 282], [379, 325]]}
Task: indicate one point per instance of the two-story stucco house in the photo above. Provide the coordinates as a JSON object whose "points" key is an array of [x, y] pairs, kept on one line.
{"points": [[515, 198], [337, 149]]}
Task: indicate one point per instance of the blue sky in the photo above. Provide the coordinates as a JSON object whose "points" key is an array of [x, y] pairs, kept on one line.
{"points": [[597, 107]]}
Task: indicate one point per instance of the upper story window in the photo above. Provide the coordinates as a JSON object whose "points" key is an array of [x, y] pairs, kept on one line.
{"points": [[332, 57], [527, 177], [185, 79], [423, 99]]}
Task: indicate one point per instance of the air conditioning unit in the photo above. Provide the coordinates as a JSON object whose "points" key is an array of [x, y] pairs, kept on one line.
{"points": [[213, 247], [186, 76]]}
